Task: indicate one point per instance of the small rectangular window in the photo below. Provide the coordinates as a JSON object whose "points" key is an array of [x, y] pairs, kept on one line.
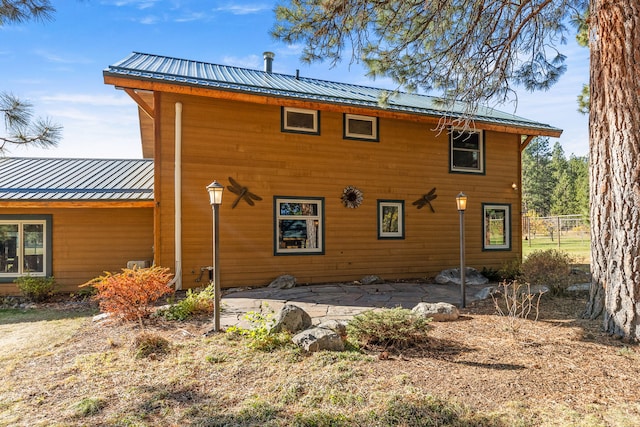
{"points": [[300, 120], [299, 226], [390, 219], [467, 151], [360, 127], [496, 227]]}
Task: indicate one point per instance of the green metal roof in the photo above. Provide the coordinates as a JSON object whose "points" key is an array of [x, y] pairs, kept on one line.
{"points": [[142, 66], [47, 179]]}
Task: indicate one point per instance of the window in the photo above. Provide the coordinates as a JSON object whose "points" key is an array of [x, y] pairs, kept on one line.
{"points": [[390, 219], [301, 121], [299, 226], [497, 227], [360, 127], [467, 151], [25, 245]]}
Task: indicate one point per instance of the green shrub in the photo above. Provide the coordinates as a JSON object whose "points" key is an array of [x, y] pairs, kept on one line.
{"points": [[195, 302], [491, 273], [259, 335], [509, 271], [37, 289], [550, 268], [396, 327]]}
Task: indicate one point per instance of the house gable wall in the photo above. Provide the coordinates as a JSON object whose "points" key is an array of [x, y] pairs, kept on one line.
{"points": [[223, 139]]}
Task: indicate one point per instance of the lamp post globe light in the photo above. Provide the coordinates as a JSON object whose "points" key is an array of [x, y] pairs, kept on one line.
{"points": [[461, 203], [215, 190]]}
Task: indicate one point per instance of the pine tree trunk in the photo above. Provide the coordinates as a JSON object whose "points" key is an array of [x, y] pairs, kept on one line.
{"points": [[614, 124]]}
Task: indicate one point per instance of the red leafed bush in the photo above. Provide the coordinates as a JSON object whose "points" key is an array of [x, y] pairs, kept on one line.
{"points": [[131, 294]]}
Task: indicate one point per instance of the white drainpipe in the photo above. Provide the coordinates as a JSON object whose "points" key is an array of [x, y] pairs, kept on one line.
{"points": [[177, 186]]}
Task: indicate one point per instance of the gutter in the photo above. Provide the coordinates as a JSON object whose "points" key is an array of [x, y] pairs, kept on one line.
{"points": [[177, 189]]}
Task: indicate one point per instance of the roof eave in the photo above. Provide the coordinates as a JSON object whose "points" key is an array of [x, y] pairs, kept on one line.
{"points": [[185, 88]]}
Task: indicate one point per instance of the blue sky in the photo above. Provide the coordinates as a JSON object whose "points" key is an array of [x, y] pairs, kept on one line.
{"points": [[58, 67]]}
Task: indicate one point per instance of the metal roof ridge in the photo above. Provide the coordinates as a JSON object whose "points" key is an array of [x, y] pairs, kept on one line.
{"points": [[280, 84], [260, 72]]}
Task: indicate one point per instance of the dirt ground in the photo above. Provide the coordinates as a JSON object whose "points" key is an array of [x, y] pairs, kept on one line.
{"points": [[558, 370]]}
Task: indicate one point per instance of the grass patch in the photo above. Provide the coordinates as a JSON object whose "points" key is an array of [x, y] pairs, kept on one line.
{"points": [[89, 406], [151, 345], [17, 315], [577, 248], [548, 376], [426, 410]]}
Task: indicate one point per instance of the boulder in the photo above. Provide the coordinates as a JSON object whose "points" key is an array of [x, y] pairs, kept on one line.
{"points": [[337, 326], [487, 292], [438, 312], [452, 277], [285, 281], [536, 289], [318, 339], [100, 317], [579, 287], [291, 318], [371, 279]]}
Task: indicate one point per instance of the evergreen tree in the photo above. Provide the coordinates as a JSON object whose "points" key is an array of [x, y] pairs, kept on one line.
{"points": [[538, 181], [16, 11], [20, 126], [562, 197], [579, 169]]}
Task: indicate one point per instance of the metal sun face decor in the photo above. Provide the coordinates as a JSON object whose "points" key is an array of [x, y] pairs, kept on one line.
{"points": [[351, 197]]}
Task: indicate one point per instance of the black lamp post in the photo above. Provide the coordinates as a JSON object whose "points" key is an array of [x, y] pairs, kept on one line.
{"points": [[461, 202], [215, 190]]}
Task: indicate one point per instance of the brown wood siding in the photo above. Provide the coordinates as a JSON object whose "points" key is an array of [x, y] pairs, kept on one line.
{"points": [[88, 242], [224, 139]]}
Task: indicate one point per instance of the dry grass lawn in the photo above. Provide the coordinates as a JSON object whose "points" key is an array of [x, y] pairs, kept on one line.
{"points": [[483, 370]]}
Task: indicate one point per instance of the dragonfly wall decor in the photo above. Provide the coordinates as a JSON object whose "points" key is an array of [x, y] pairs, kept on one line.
{"points": [[242, 193], [426, 200]]}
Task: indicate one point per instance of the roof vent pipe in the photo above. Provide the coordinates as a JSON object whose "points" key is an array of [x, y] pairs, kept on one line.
{"points": [[268, 61]]}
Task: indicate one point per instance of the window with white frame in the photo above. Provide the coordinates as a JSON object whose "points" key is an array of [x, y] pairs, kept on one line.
{"points": [[360, 127], [390, 219], [299, 225], [467, 151], [300, 120], [496, 226], [25, 246]]}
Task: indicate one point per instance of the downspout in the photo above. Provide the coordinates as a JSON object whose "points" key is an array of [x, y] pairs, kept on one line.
{"points": [[177, 189]]}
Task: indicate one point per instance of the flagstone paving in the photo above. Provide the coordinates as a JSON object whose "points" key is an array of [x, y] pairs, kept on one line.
{"points": [[338, 301]]}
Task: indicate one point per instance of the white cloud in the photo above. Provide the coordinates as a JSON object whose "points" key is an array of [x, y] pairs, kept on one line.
{"points": [[55, 58], [244, 8], [191, 17], [149, 20], [101, 132], [88, 99], [138, 4], [251, 61]]}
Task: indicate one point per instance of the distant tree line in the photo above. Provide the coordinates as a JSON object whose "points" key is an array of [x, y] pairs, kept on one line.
{"points": [[553, 184]]}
